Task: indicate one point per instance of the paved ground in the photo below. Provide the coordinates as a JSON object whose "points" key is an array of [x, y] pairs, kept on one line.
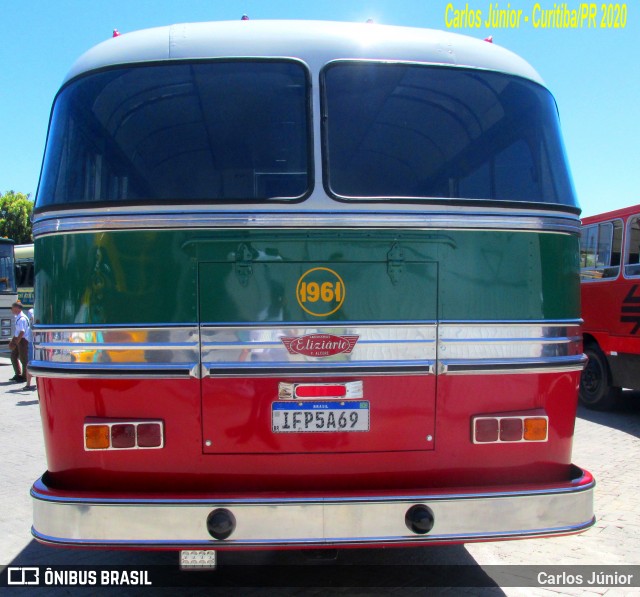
{"points": [[606, 443]]}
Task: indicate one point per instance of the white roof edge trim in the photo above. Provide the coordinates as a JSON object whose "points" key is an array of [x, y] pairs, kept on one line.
{"points": [[313, 42]]}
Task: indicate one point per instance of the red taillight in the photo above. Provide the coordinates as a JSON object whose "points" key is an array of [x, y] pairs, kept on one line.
{"points": [[311, 391], [321, 391], [149, 435], [487, 430], [511, 430], [123, 436], [106, 434]]}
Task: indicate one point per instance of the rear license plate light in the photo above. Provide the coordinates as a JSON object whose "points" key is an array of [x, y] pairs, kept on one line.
{"points": [[197, 559]]}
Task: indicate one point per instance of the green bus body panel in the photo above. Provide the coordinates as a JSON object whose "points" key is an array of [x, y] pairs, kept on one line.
{"points": [[269, 293], [154, 277]]}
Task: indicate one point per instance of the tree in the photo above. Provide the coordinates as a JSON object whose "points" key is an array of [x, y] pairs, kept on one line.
{"points": [[15, 217]]}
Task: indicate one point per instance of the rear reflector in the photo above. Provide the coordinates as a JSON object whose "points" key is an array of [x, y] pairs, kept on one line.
{"points": [[96, 437], [123, 435], [535, 429], [510, 429]]}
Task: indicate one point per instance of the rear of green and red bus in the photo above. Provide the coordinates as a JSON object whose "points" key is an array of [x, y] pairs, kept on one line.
{"points": [[279, 306]]}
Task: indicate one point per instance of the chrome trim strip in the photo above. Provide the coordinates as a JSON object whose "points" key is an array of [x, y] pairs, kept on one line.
{"points": [[177, 218], [320, 521], [208, 370], [580, 482], [111, 373], [474, 348], [65, 371], [488, 367], [458, 348], [123, 350], [376, 370], [261, 346], [350, 542], [124, 335]]}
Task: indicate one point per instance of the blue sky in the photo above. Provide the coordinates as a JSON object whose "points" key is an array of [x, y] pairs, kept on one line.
{"points": [[593, 73]]}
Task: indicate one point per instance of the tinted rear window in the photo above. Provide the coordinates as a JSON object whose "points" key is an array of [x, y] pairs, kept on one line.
{"points": [[422, 132], [186, 132]]}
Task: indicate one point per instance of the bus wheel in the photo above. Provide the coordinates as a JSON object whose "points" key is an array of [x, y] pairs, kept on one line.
{"points": [[596, 391]]}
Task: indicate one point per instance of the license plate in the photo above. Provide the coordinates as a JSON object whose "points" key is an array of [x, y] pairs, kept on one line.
{"points": [[323, 417]]}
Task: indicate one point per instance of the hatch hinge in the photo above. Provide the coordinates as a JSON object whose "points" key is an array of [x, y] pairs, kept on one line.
{"points": [[242, 266], [395, 263]]}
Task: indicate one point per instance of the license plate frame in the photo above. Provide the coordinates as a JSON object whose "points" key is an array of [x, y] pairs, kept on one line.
{"points": [[327, 416]]}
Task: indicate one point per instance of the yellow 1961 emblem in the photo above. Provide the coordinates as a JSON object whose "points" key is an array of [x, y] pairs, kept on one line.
{"points": [[320, 291]]}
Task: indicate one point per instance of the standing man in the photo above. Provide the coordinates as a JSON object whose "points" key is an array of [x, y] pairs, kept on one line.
{"points": [[19, 344]]}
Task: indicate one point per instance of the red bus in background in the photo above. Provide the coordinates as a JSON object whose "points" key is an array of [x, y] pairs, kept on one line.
{"points": [[610, 275]]}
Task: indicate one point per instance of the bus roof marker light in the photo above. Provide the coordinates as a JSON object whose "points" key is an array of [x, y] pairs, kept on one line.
{"points": [[489, 39], [116, 33], [245, 18]]}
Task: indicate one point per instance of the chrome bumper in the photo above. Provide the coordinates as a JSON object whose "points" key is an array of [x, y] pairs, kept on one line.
{"points": [[373, 520]]}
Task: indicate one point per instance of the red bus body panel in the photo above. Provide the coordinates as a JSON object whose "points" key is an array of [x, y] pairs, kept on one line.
{"points": [[402, 457]]}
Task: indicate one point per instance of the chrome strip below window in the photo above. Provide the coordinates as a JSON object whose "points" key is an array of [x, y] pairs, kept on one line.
{"points": [[174, 218]]}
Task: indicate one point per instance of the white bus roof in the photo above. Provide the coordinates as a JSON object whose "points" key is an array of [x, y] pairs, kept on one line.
{"points": [[24, 251], [314, 42]]}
